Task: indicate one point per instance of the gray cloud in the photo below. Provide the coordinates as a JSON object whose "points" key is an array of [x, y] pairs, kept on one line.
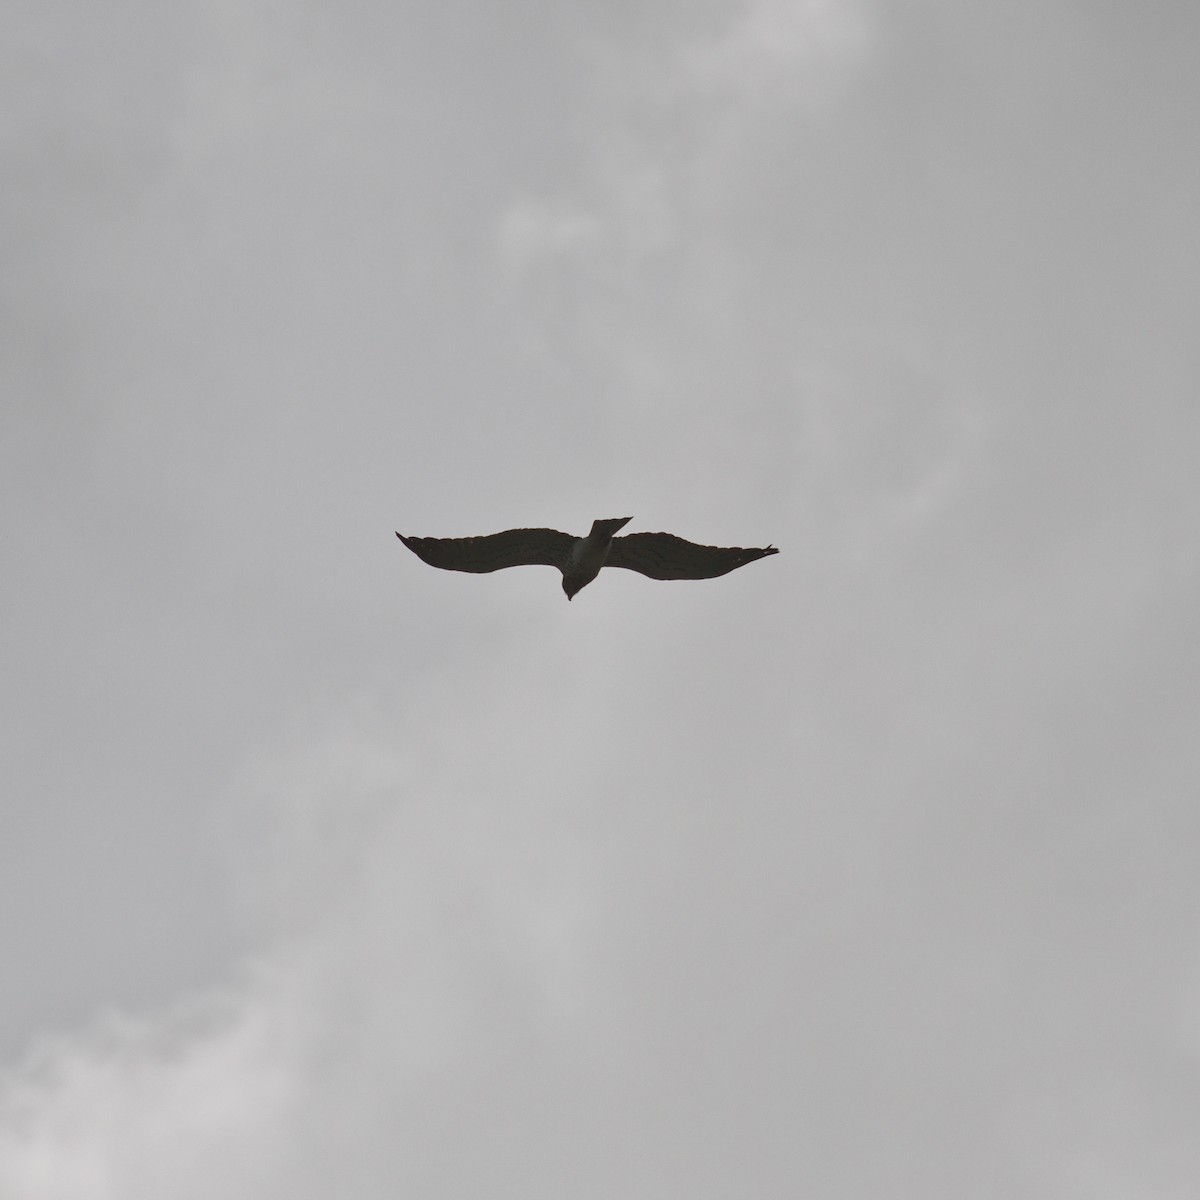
{"points": [[867, 869]]}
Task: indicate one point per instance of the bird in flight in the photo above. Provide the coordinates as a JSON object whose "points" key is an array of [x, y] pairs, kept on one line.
{"points": [[658, 555]]}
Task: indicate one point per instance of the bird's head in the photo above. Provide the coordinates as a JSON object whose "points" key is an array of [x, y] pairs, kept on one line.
{"points": [[569, 587]]}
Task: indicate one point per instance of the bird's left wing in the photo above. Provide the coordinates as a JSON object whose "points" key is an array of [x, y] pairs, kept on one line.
{"points": [[665, 556], [495, 551]]}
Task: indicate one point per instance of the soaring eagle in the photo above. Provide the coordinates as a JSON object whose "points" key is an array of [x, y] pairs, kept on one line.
{"points": [[658, 555]]}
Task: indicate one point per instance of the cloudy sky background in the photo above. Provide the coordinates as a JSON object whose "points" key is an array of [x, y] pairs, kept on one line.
{"points": [[867, 870]]}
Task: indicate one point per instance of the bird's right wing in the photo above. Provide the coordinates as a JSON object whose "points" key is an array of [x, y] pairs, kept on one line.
{"points": [[495, 551], [665, 556]]}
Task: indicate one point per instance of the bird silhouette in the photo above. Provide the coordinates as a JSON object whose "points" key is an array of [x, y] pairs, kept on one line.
{"points": [[580, 559]]}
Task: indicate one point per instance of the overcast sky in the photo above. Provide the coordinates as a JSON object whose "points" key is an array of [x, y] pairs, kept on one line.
{"points": [[869, 870]]}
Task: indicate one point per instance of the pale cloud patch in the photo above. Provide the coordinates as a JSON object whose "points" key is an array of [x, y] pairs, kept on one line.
{"points": [[546, 249], [259, 72], [342, 1058], [427, 916], [571, 258], [300, 819], [532, 231], [639, 266], [657, 130], [380, 843], [886, 440], [198, 1099], [778, 50]]}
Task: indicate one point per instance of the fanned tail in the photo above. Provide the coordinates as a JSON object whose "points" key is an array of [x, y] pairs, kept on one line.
{"points": [[605, 527]]}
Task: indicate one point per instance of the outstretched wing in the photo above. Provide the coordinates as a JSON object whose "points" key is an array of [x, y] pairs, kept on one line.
{"points": [[512, 548], [665, 556]]}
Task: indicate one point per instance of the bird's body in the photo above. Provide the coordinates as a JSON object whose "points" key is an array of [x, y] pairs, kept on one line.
{"points": [[657, 555], [589, 554]]}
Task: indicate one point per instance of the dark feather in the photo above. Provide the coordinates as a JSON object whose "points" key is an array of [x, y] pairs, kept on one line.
{"points": [[665, 556], [495, 551]]}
